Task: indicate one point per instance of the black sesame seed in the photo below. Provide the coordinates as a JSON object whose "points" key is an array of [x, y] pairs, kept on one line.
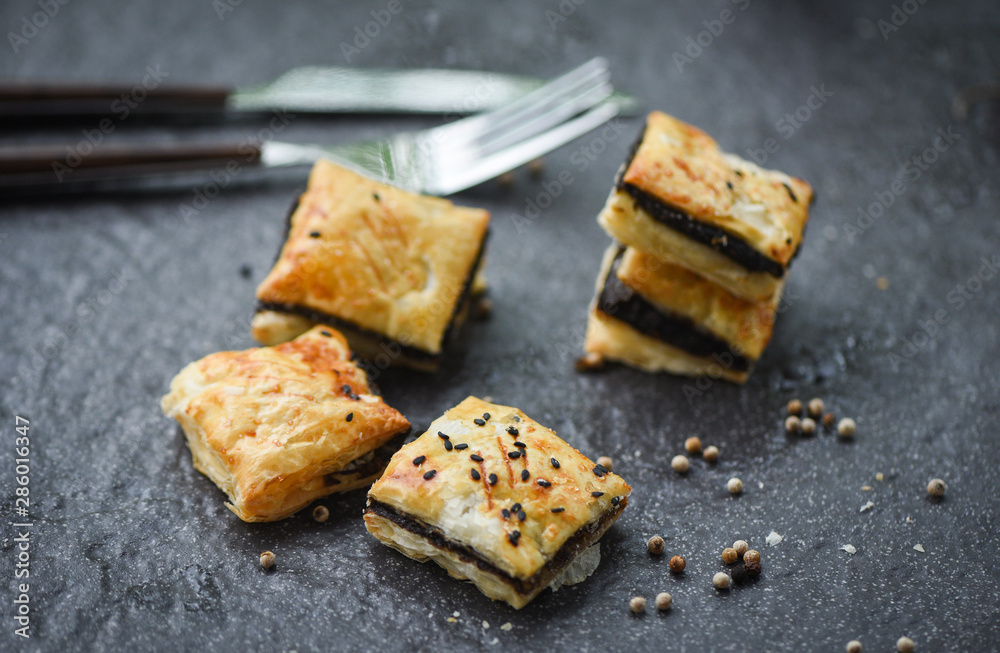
{"points": [[514, 537], [544, 483], [517, 418], [493, 479], [615, 500], [522, 515], [790, 193], [346, 388], [512, 430], [448, 446], [560, 509], [515, 507], [525, 475], [479, 422], [486, 416], [475, 474], [314, 234], [520, 445], [555, 463], [476, 457], [419, 460], [429, 475], [729, 185], [505, 513], [461, 446], [443, 436], [514, 454], [376, 197], [596, 494], [353, 396], [326, 333], [349, 417], [739, 173], [599, 470]]}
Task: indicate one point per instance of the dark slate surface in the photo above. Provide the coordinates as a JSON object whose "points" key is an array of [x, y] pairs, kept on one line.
{"points": [[105, 298]]}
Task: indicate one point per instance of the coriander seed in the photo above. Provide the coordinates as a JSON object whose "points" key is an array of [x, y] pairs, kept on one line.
{"points": [[905, 645], [637, 604], [936, 488], [664, 601], [321, 514], [854, 646], [815, 407], [795, 407], [793, 424], [741, 547], [677, 564], [751, 556], [846, 428], [729, 555], [808, 426], [734, 485], [693, 445], [680, 464], [829, 421], [721, 580], [656, 545], [267, 560], [606, 463], [711, 454]]}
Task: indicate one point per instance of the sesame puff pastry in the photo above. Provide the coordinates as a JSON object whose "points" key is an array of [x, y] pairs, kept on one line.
{"points": [[393, 270], [278, 427], [683, 199], [496, 498]]}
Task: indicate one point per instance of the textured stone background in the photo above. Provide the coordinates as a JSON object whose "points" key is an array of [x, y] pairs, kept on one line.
{"points": [[105, 298]]}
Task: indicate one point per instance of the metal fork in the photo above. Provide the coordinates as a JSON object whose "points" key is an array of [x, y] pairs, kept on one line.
{"points": [[439, 161]]}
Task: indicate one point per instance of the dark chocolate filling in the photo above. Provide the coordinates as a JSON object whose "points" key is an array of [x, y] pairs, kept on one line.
{"points": [[411, 352], [574, 546], [622, 303], [730, 245], [374, 466]]}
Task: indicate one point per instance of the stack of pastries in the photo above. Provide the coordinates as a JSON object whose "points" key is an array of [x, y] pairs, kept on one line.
{"points": [[702, 242]]}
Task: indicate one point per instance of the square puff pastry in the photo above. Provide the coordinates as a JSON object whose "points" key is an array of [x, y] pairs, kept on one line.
{"points": [[393, 270], [692, 327], [278, 427], [683, 199], [496, 498]]}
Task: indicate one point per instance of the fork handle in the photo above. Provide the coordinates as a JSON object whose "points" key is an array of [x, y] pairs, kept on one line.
{"points": [[37, 168], [41, 101]]}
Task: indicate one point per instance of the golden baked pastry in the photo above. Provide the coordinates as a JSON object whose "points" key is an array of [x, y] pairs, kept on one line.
{"points": [[660, 317], [393, 270], [683, 199], [496, 498], [278, 427]]}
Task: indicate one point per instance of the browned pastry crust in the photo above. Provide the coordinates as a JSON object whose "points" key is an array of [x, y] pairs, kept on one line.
{"points": [[497, 511], [278, 427], [388, 267], [682, 167]]}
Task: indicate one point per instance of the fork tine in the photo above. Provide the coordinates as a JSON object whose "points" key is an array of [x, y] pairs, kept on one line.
{"points": [[533, 126], [508, 159], [470, 128]]}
